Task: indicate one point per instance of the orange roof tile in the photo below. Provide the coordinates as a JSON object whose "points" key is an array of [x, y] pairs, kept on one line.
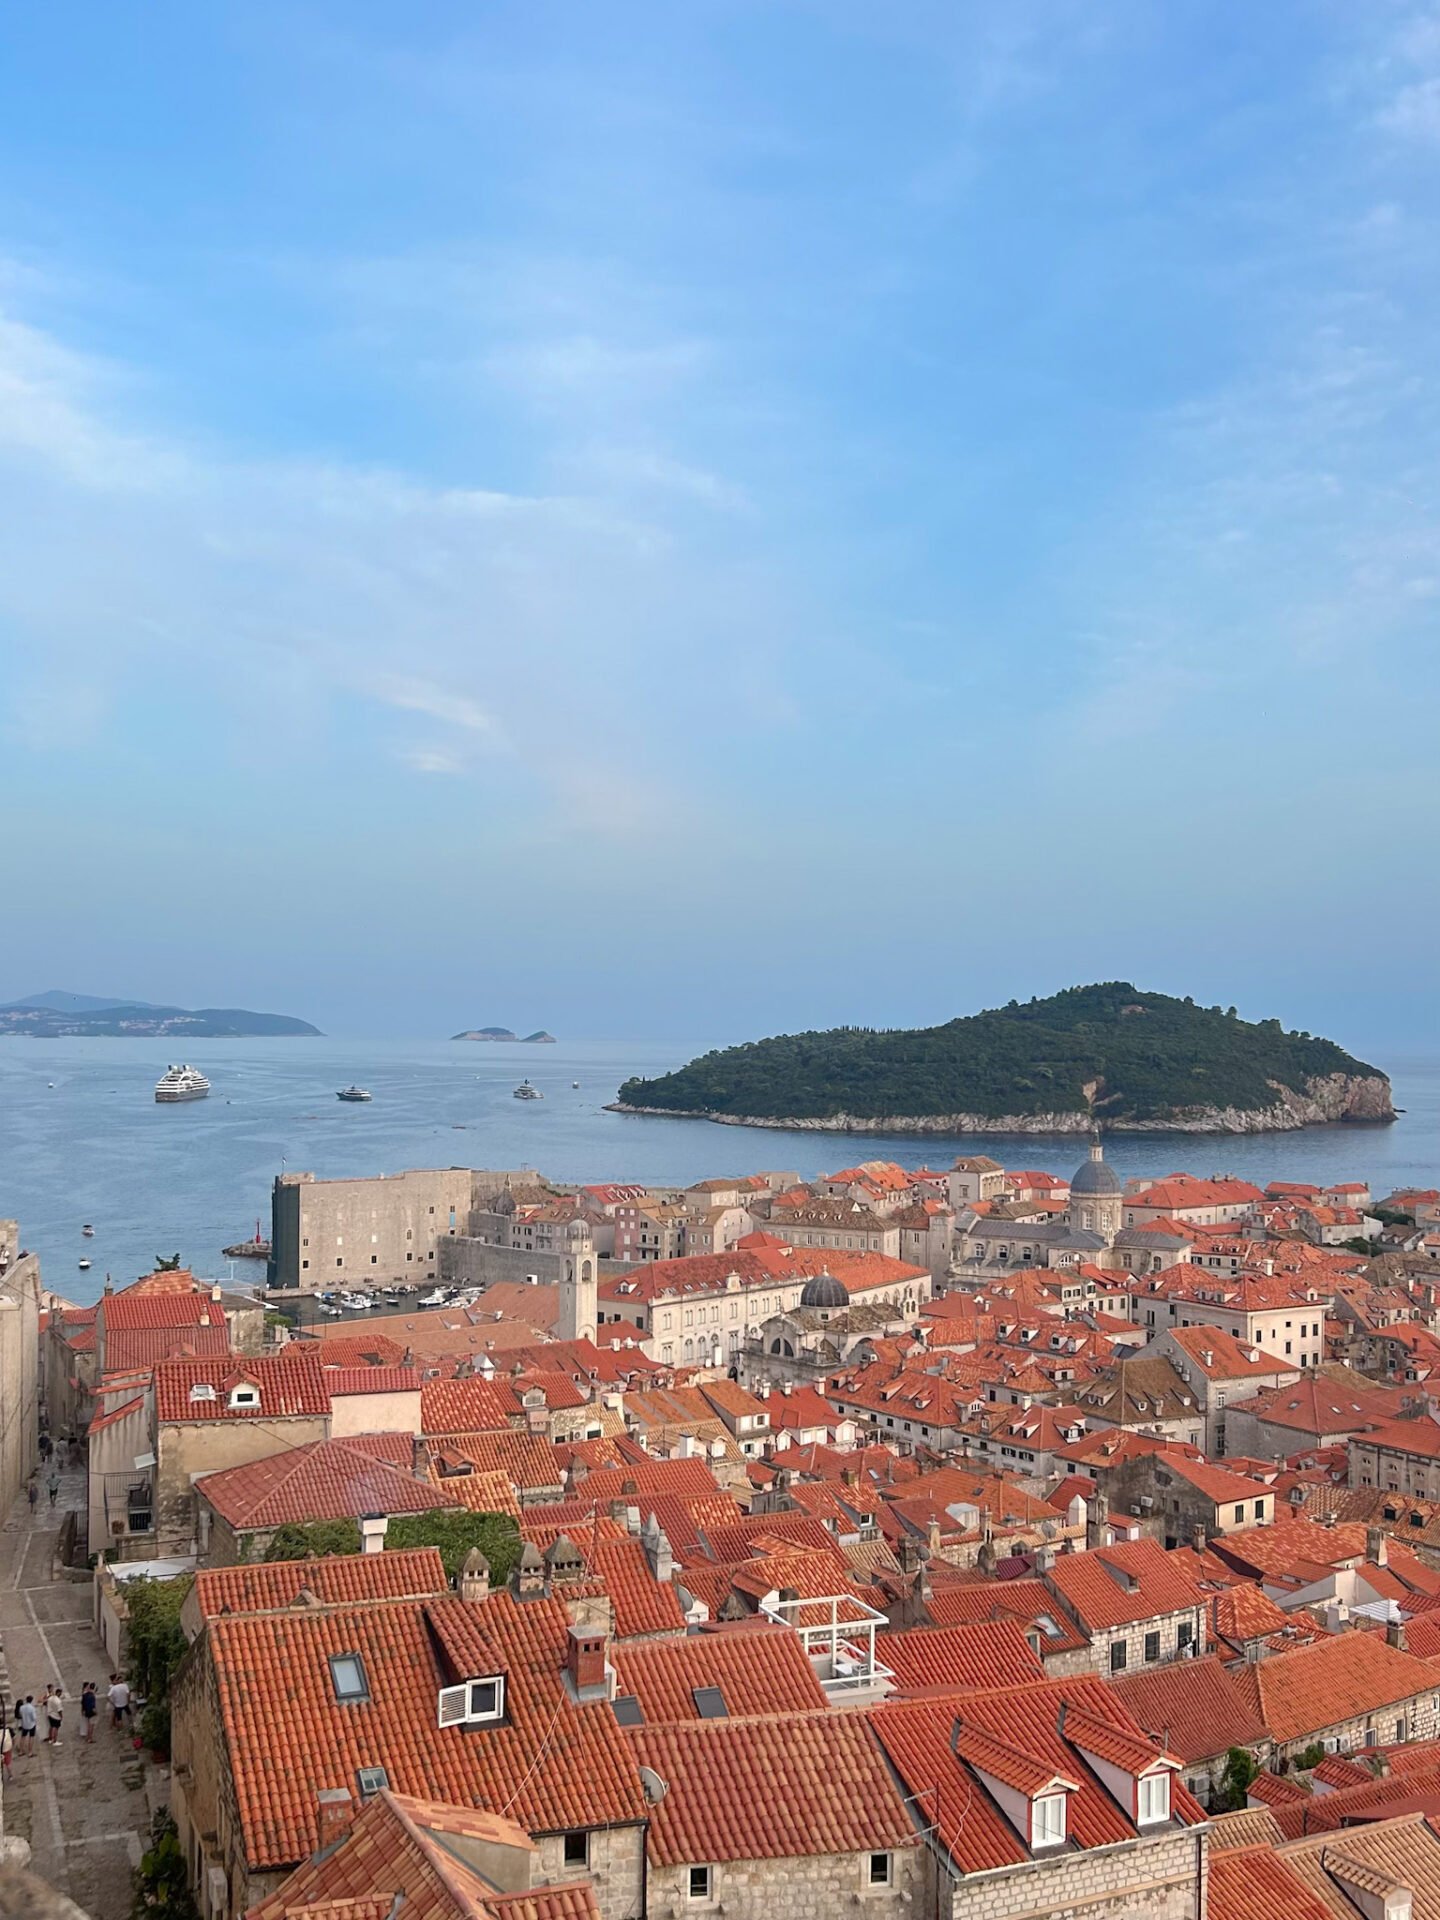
{"points": [[290, 1384], [1342, 1677], [763, 1670], [780, 1787], [986, 1655], [1114, 1586], [325, 1480], [341, 1579]]}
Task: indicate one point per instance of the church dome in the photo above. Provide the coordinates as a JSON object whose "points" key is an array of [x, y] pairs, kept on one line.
{"points": [[1094, 1180], [824, 1290]]}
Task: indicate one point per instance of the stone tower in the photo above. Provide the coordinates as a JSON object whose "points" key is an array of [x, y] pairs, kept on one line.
{"points": [[1096, 1196], [579, 1298]]}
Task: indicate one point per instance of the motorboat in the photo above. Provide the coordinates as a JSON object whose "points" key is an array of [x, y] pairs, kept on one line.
{"points": [[435, 1298], [87, 1232], [353, 1094], [325, 1307], [576, 1085], [356, 1302], [181, 1083], [84, 1265], [526, 1092]]}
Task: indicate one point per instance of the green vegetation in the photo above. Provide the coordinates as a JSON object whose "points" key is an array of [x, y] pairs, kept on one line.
{"points": [[1110, 1050], [155, 1642], [496, 1535], [1240, 1770], [159, 1884]]}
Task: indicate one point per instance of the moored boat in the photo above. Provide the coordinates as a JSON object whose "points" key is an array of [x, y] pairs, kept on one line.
{"points": [[181, 1083]]}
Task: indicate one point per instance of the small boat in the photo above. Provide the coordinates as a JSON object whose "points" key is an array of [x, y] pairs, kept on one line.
{"points": [[526, 1092], [353, 1094], [84, 1266], [87, 1232], [576, 1085]]}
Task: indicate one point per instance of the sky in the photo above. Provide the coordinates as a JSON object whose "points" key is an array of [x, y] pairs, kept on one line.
{"points": [[651, 520]]}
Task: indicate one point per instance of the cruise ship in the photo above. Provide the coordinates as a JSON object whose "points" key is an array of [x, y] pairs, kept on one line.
{"points": [[526, 1092], [352, 1094], [181, 1083]]}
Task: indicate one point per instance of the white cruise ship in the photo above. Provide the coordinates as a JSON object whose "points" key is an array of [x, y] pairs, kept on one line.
{"points": [[181, 1083]]}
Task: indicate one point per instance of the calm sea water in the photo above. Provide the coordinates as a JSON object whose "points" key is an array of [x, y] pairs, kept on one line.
{"points": [[81, 1138]]}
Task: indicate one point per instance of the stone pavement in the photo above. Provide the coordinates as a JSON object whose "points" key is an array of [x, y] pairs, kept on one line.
{"points": [[84, 1810]]}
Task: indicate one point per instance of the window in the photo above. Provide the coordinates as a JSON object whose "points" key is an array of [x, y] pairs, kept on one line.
{"points": [[577, 1849], [245, 1397], [628, 1710], [1048, 1828], [1184, 1634], [372, 1780], [1240, 1513], [1152, 1646], [882, 1870], [1154, 1798], [472, 1702], [1117, 1656], [701, 1881], [710, 1703], [201, 1391], [347, 1676]]}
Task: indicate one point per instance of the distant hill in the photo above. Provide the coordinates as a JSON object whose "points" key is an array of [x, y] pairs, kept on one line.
{"points": [[1105, 1056], [59, 1015], [537, 1039]]}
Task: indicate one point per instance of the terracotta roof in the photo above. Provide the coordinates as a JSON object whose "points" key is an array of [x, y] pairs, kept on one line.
{"points": [[290, 1384], [287, 1736], [529, 1459], [762, 1670], [1248, 1881], [1372, 1858], [326, 1480], [636, 1483], [643, 1605], [1115, 1586], [780, 1787], [1194, 1706], [368, 1379], [132, 1348], [1029, 1602], [401, 1848], [467, 1406], [187, 1308], [988, 1654], [341, 1579], [758, 1267], [1343, 1677], [1246, 1827], [918, 1737]]}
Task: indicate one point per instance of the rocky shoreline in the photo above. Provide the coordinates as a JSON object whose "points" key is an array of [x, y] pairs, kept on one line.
{"points": [[1336, 1098]]}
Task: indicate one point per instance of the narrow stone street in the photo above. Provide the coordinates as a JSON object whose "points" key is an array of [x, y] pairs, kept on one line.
{"points": [[85, 1810]]}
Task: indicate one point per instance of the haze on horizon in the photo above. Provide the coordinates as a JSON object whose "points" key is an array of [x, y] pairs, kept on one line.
{"points": [[654, 520]]}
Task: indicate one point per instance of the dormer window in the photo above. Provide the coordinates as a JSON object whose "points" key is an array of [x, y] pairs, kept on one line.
{"points": [[244, 1396], [1047, 1825], [473, 1703], [1154, 1799]]}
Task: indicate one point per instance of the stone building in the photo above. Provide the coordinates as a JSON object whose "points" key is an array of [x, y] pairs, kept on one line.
{"points": [[19, 1361], [382, 1231], [1136, 1607]]}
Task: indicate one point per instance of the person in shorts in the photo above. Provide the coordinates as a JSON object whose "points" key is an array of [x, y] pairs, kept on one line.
{"points": [[54, 1715], [29, 1719], [89, 1704], [119, 1698]]}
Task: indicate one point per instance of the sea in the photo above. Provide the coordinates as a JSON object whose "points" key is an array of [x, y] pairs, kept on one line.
{"points": [[82, 1139]]}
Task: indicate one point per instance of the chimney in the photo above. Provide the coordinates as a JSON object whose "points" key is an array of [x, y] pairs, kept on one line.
{"points": [[420, 1458], [1043, 1558], [372, 1532], [1197, 1537], [586, 1663], [215, 1292], [528, 1578], [1395, 1635], [475, 1576], [1377, 1548], [335, 1812], [658, 1551]]}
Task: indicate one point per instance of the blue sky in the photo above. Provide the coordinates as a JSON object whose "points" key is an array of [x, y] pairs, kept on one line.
{"points": [[658, 520]]}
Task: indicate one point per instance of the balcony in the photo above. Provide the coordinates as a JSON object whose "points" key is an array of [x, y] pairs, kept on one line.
{"points": [[837, 1632]]}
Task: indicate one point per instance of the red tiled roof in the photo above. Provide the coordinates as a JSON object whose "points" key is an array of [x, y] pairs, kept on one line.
{"points": [[467, 1406], [1193, 1706], [986, 1655], [1246, 1881], [1342, 1677], [179, 1309], [290, 1384], [780, 1787], [1030, 1602], [1115, 1586], [367, 1379], [341, 1579], [326, 1480], [758, 1266], [643, 1605], [551, 1765], [130, 1349], [636, 1483], [530, 1460], [763, 1670]]}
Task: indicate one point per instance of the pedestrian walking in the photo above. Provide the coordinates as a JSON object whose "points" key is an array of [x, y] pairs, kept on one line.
{"points": [[32, 1494], [53, 1484], [89, 1703], [119, 1697], [29, 1720], [54, 1714], [7, 1748]]}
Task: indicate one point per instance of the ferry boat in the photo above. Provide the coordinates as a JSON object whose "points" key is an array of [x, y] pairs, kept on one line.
{"points": [[353, 1093], [526, 1092], [181, 1083]]}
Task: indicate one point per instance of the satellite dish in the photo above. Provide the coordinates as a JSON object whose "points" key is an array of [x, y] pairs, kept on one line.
{"points": [[655, 1788]]}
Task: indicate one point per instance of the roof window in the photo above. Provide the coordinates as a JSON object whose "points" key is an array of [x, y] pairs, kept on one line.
{"points": [[628, 1710], [244, 1396], [473, 1702], [372, 1780], [347, 1676], [710, 1703]]}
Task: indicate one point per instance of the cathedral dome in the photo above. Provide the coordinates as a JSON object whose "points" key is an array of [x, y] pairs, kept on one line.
{"points": [[1094, 1179], [824, 1290]]}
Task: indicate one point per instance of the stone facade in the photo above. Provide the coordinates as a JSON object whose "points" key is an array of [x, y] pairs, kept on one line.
{"points": [[372, 1232], [616, 1864], [1391, 1725], [1160, 1877], [186, 1449], [19, 1362], [810, 1887]]}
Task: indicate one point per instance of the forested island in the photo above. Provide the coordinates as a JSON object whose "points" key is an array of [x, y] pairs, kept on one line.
{"points": [[56, 1015], [1106, 1056]]}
